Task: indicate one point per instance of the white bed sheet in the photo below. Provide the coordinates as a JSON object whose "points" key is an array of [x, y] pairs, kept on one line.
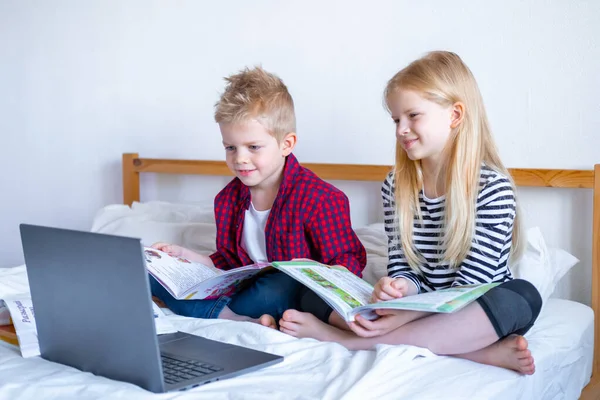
{"points": [[561, 341]]}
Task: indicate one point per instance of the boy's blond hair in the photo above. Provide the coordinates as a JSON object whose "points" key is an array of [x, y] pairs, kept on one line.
{"points": [[442, 77], [257, 94]]}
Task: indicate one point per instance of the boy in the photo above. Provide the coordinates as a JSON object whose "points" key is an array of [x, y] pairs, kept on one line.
{"points": [[273, 210]]}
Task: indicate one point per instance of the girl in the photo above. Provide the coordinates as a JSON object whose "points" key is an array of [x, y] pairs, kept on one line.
{"points": [[451, 219]]}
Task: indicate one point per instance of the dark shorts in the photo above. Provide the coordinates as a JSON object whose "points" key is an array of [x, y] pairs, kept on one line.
{"points": [[512, 307], [311, 303]]}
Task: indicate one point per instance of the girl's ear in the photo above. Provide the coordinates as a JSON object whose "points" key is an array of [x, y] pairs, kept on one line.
{"points": [[288, 143], [458, 113]]}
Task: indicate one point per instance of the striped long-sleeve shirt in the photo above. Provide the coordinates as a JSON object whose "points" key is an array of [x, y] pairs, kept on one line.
{"points": [[486, 261]]}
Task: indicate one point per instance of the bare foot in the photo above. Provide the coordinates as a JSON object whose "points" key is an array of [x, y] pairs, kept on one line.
{"points": [[266, 320], [306, 325], [510, 353]]}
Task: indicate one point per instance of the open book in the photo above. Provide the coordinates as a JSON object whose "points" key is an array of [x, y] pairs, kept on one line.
{"points": [[187, 280], [349, 295], [23, 332]]}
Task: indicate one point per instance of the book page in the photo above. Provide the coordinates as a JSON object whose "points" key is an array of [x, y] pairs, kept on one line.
{"points": [[440, 301], [222, 285], [177, 275], [338, 287]]}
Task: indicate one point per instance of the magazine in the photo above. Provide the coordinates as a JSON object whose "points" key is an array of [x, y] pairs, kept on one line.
{"points": [[4, 314], [23, 331], [349, 295], [22, 318], [188, 280]]}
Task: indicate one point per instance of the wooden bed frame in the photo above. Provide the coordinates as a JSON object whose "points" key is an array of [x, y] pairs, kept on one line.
{"points": [[557, 178]]}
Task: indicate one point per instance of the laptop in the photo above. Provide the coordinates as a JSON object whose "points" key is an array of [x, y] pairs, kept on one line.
{"points": [[93, 311]]}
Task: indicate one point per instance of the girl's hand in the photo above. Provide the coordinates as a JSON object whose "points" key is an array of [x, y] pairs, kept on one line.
{"points": [[388, 321], [171, 249], [390, 288]]}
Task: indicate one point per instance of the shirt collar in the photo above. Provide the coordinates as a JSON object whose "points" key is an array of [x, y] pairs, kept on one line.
{"points": [[291, 169]]}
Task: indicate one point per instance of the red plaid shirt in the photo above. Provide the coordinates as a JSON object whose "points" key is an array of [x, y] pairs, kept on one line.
{"points": [[310, 218]]}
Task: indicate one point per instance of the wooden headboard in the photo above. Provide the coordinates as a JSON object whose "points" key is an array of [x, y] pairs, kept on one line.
{"points": [[556, 178]]}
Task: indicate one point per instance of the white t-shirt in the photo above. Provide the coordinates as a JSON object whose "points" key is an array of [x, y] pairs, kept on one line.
{"points": [[253, 234]]}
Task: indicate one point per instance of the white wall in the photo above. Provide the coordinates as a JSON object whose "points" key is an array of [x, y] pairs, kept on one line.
{"points": [[83, 82]]}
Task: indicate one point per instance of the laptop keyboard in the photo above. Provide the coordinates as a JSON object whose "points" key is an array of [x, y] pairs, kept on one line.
{"points": [[175, 370]]}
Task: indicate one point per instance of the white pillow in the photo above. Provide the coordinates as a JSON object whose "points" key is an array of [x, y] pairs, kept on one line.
{"points": [[374, 239], [540, 265], [191, 226]]}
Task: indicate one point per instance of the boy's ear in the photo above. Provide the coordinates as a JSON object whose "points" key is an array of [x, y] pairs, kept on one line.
{"points": [[288, 143], [458, 113]]}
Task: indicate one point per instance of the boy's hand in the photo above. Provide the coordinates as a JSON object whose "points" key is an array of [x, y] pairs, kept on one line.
{"points": [[171, 249], [178, 251], [390, 288]]}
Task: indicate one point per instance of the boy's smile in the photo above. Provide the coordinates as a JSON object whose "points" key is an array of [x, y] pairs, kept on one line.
{"points": [[245, 172]]}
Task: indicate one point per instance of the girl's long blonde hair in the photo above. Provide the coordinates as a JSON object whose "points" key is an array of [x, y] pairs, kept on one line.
{"points": [[443, 78]]}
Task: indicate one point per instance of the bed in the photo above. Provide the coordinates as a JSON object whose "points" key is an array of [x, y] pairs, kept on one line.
{"points": [[562, 341]]}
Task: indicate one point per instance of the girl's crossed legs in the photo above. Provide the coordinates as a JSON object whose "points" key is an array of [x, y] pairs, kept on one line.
{"points": [[488, 331]]}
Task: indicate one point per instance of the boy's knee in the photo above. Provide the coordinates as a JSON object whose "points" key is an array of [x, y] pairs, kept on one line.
{"points": [[279, 286]]}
